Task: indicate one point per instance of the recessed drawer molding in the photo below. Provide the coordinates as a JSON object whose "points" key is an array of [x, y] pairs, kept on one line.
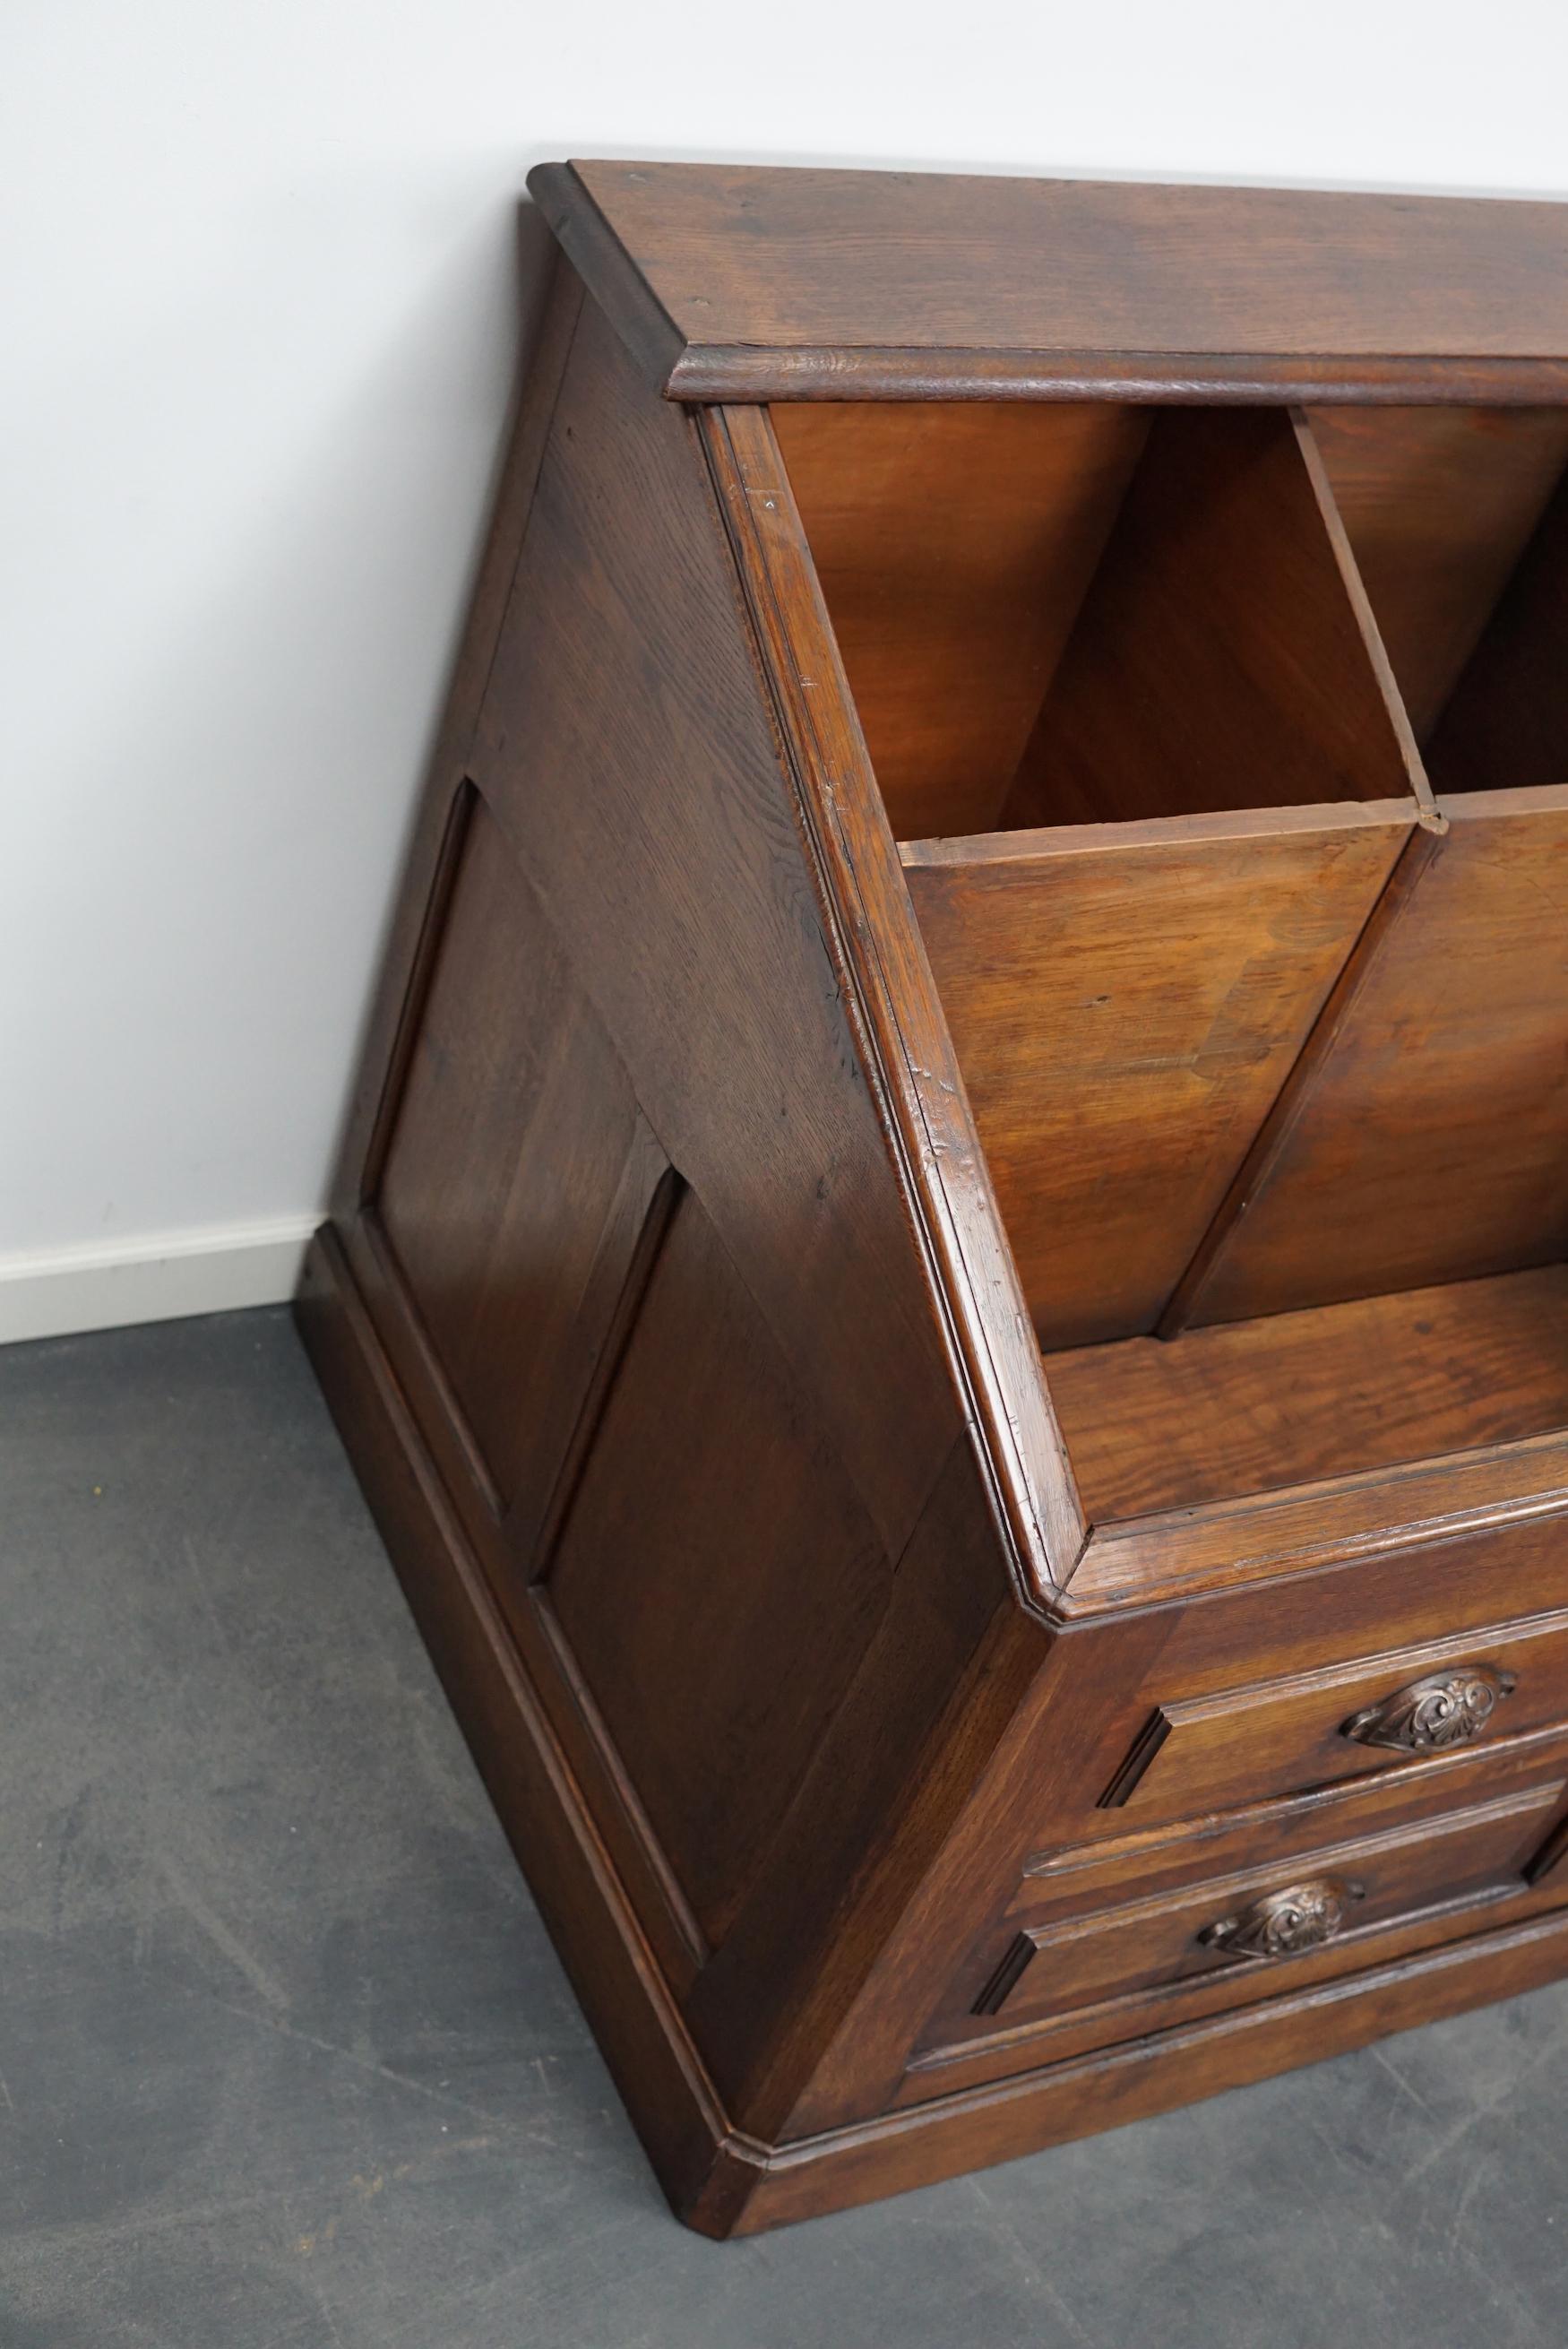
{"points": [[1200, 1753], [1446, 1708]]}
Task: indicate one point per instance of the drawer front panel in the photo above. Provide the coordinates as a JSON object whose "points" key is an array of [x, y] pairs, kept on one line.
{"points": [[1283, 1832], [1245, 1745], [1269, 1914]]}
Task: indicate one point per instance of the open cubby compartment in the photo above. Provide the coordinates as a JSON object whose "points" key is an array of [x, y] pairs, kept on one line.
{"points": [[1267, 1049], [1458, 521]]}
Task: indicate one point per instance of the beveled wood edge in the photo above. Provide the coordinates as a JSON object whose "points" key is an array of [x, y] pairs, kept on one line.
{"points": [[674, 2105], [1265, 1537], [895, 1012], [718, 2179], [1050, 842], [1365, 619], [1001, 2120], [607, 269], [1296, 1093], [1519, 799], [428, 864], [732, 374], [1056, 1864]]}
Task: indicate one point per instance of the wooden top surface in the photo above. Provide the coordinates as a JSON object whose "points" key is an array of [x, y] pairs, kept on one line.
{"points": [[744, 283]]}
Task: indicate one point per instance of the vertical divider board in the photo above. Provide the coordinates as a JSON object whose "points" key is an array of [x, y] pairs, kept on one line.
{"points": [[1125, 1001], [1224, 655], [1129, 998], [1430, 1141], [1423, 1137]]}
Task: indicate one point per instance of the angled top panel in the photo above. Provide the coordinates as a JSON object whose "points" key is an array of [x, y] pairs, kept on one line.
{"points": [[741, 283]]}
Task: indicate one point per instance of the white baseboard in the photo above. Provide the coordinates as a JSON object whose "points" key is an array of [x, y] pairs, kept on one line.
{"points": [[49, 1293]]}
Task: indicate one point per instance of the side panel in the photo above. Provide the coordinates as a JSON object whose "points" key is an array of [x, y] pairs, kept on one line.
{"points": [[635, 1245]]}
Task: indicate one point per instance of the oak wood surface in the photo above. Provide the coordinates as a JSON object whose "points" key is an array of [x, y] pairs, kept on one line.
{"points": [[670, 1311], [748, 266], [1150, 1942], [1282, 1832], [902, 1030], [514, 1131], [1125, 1001], [715, 1658], [1439, 505], [1222, 656], [416, 922], [954, 546], [1431, 1142], [1252, 1406], [720, 2180], [1240, 1744]]}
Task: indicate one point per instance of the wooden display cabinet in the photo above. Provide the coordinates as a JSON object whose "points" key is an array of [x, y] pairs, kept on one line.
{"points": [[948, 1280]]}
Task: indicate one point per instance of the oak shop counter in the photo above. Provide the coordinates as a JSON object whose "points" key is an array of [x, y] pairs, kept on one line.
{"points": [[948, 1279]]}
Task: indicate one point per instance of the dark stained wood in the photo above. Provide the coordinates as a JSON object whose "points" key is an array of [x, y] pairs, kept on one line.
{"points": [[904, 1037], [671, 1311], [1439, 503], [1244, 1744], [1125, 1001], [756, 266], [1221, 657], [514, 1133], [1152, 1943], [1333, 1390], [1138, 1862], [1431, 1143], [954, 546], [417, 918], [678, 890], [530, 1777], [938, 1692], [1149, 2072], [715, 1654], [1517, 1489]]}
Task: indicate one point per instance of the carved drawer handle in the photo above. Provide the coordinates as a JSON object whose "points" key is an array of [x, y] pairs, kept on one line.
{"points": [[1446, 1708], [1283, 1924]]}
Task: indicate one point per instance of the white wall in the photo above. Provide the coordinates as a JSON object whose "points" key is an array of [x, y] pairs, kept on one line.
{"points": [[261, 310]]}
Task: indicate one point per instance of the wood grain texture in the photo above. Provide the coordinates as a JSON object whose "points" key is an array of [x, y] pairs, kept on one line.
{"points": [[1253, 1406], [671, 1314], [513, 1133], [1431, 1142], [1221, 657], [1152, 1943], [904, 1035], [1508, 1493], [417, 915], [1439, 503], [987, 2050], [716, 1579], [1244, 1744], [1125, 1001], [678, 887], [954, 546], [1138, 1862], [751, 263], [1149, 2072]]}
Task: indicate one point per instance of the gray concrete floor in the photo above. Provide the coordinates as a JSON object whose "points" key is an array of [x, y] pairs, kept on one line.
{"points": [[287, 2060]]}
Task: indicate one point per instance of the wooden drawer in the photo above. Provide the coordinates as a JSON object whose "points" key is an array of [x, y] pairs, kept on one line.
{"points": [[1274, 1912], [1243, 1745]]}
